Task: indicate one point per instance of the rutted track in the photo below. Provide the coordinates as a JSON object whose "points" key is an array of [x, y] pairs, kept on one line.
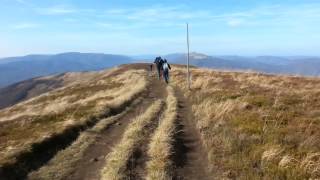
{"points": [[176, 150], [170, 150], [42, 152], [160, 165], [187, 158], [136, 165], [65, 160], [93, 161], [117, 161]]}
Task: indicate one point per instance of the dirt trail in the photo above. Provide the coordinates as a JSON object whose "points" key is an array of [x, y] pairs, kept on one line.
{"points": [[93, 161], [137, 163], [190, 156]]}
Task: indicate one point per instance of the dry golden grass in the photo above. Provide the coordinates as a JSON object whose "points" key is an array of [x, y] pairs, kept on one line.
{"points": [[37, 119], [160, 149], [117, 160], [65, 160], [256, 126]]}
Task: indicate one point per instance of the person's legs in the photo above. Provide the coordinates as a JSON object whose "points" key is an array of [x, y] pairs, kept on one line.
{"points": [[166, 76]]}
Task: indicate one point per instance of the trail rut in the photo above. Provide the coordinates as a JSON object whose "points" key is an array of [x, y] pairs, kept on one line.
{"points": [[91, 164], [190, 157]]}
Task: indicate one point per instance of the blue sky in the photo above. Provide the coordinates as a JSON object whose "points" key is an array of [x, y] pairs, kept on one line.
{"points": [[229, 27]]}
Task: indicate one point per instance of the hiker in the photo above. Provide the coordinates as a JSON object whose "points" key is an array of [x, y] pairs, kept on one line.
{"points": [[166, 67], [159, 62]]}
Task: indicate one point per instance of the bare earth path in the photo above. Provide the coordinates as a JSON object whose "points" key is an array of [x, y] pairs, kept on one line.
{"points": [[136, 169], [190, 156], [93, 161], [137, 163]]}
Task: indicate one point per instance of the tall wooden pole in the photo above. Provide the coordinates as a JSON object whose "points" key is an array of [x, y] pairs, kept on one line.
{"points": [[188, 57]]}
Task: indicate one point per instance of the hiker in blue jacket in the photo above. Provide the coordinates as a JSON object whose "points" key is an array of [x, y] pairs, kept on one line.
{"points": [[159, 62]]}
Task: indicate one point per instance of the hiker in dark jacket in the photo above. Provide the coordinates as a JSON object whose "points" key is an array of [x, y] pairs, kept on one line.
{"points": [[166, 66], [159, 62]]}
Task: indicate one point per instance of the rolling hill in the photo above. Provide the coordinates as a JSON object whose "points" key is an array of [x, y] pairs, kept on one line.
{"points": [[17, 69], [27, 89]]}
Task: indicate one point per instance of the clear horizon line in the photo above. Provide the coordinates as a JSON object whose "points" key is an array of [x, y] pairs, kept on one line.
{"points": [[155, 54]]}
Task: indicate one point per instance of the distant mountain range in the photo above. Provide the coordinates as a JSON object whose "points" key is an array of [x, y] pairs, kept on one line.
{"points": [[304, 65], [16, 69]]}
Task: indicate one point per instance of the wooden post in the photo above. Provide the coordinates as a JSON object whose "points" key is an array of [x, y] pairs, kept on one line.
{"points": [[188, 58]]}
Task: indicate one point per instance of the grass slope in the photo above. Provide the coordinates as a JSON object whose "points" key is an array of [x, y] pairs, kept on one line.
{"points": [[256, 126], [79, 105]]}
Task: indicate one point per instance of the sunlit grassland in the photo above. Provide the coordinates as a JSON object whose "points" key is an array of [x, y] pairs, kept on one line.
{"points": [[52, 113], [255, 125]]}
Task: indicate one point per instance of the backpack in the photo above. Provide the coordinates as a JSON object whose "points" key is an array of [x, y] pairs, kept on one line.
{"points": [[165, 66]]}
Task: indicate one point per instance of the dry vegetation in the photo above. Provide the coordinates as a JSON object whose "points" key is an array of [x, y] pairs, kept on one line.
{"points": [[40, 118], [160, 148], [117, 160], [66, 159], [253, 126], [256, 126]]}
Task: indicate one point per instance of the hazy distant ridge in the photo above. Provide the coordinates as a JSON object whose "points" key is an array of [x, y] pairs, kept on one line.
{"points": [[304, 65], [17, 69]]}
